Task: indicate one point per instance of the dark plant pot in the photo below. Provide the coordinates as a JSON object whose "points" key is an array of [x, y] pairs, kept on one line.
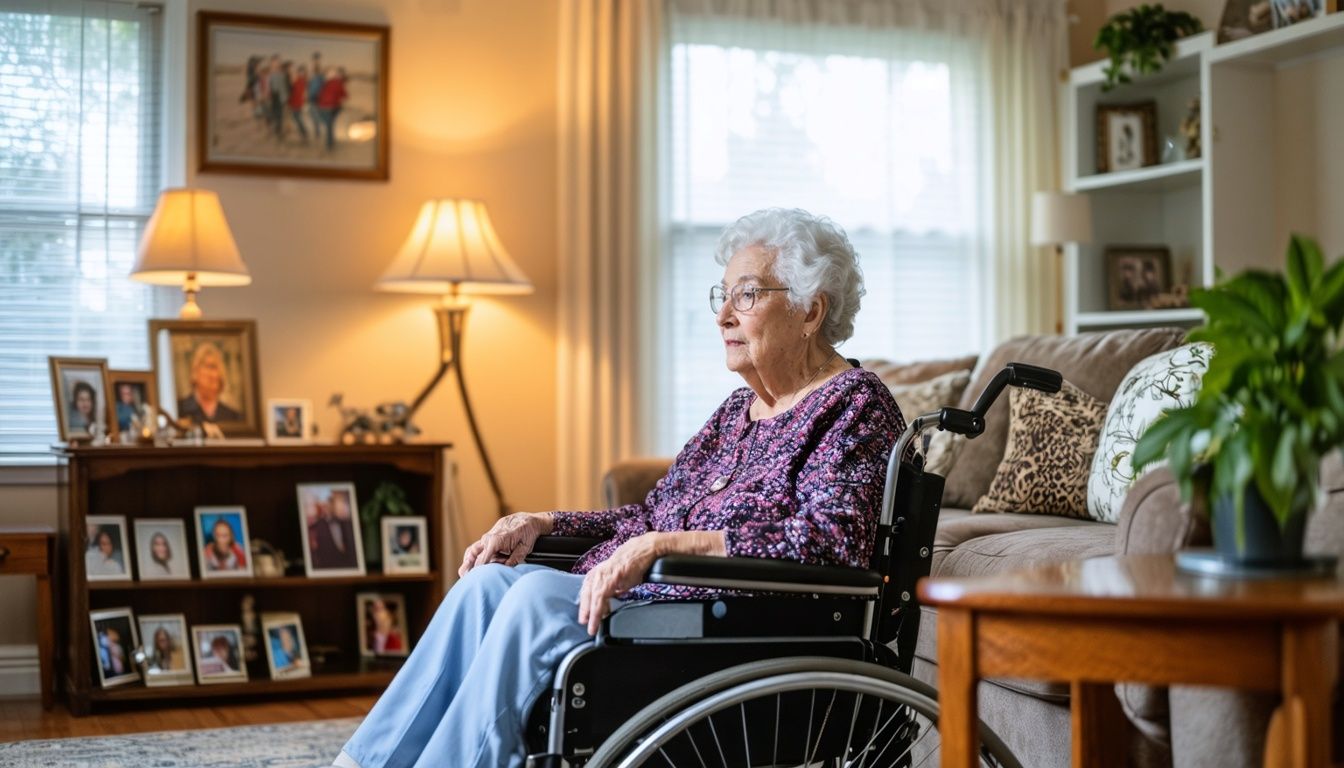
{"points": [[1265, 544]]}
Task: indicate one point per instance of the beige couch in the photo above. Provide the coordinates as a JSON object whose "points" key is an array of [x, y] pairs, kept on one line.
{"points": [[1032, 717]]}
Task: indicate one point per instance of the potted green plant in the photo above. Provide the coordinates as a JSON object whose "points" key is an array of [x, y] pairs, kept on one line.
{"points": [[1270, 407], [387, 499], [1140, 41]]}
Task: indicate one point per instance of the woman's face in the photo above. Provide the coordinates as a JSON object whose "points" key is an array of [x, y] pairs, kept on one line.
{"points": [[105, 543], [771, 331], [162, 641], [159, 547], [223, 535], [84, 403], [382, 618], [207, 378], [404, 538]]}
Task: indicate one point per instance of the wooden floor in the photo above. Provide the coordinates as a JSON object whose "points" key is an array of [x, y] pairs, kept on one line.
{"points": [[22, 719]]}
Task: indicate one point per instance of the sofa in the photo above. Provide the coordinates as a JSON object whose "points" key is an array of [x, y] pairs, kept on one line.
{"points": [[1034, 717]]}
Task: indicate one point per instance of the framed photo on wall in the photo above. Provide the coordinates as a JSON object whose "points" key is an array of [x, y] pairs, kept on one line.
{"points": [[1136, 275], [1126, 136], [291, 97], [131, 391], [79, 386], [207, 372]]}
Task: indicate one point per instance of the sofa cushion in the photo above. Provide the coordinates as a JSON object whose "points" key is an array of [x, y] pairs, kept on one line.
{"points": [[910, 373], [1003, 552], [1094, 362], [1048, 456], [1158, 383], [923, 397], [958, 526]]}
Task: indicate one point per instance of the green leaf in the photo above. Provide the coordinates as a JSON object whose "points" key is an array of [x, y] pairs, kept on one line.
{"points": [[1304, 267], [1233, 310]]}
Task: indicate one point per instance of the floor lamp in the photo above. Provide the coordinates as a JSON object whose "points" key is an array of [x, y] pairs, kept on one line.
{"points": [[1058, 218], [453, 252]]}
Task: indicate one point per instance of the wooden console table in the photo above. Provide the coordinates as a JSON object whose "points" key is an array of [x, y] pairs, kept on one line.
{"points": [[1138, 619], [30, 550]]}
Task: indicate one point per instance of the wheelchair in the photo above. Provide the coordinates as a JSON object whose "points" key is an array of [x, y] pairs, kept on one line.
{"points": [[811, 668]]}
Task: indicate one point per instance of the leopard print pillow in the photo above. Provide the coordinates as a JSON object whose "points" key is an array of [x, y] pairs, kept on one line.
{"points": [[1051, 441]]}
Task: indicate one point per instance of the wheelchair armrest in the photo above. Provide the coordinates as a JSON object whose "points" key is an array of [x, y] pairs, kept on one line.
{"points": [[564, 545], [762, 574]]}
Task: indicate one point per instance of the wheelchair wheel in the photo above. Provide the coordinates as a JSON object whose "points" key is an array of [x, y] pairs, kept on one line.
{"points": [[799, 712]]}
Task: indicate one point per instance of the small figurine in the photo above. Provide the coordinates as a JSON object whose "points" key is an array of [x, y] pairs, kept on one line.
{"points": [[1190, 130]]}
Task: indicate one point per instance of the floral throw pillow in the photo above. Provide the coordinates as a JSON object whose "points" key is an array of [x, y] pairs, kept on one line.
{"points": [[1156, 384], [1051, 441]]}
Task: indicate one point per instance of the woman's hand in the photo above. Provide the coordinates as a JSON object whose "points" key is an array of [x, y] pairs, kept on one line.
{"points": [[508, 541], [626, 567], [622, 571]]}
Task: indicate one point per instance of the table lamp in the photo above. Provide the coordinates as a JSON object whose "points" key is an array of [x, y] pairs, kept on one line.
{"points": [[453, 251], [188, 243], [1058, 218]]}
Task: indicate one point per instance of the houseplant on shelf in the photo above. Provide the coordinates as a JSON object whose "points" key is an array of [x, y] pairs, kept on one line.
{"points": [[1271, 406], [1140, 41]]}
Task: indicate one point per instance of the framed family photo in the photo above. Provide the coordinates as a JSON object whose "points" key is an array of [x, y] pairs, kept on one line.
{"points": [[1126, 136], [221, 533], [218, 649], [79, 387], [404, 540], [161, 550], [167, 649], [292, 97], [106, 556], [331, 538], [114, 643], [289, 422], [1136, 275], [382, 621], [286, 650], [131, 392], [207, 372]]}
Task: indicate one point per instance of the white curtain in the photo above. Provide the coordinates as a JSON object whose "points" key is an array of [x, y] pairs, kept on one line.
{"points": [[608, 87]]}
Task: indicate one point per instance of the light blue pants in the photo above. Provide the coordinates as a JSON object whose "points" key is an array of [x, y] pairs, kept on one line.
{"points": [[462, 697]]}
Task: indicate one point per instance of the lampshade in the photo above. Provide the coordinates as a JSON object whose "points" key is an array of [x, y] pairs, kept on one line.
{"points": [[188, 236], [1060, 217], [453, 248]]}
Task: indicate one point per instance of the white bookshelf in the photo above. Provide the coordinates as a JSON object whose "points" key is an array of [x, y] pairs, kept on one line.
{"points": [[1272, 163]]}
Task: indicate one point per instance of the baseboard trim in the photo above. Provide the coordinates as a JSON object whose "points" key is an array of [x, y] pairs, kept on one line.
{"points": [[20, 673]]}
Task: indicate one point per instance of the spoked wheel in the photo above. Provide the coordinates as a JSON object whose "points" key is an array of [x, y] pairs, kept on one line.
{"points": [[801, 712]]}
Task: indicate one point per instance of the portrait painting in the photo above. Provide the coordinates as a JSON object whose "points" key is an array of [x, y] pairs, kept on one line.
{"points": [[405, 543], [161, 551], [134, 396], [221, 535], [167, 649], [207, 372], [114, 644], [1136, 276], [329, 519], [106, 556], [293, 97], [382, 621], [288, 422], [286, 650], [79, 386], [218, 649], [1126, 136]]}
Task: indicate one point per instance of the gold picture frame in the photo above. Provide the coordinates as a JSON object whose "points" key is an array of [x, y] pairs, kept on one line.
{"points": [[188, 369], [1126, 136], [74, 382]]}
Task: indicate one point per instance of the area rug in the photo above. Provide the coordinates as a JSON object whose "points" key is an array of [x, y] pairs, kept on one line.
{"points": [[286, 745]]}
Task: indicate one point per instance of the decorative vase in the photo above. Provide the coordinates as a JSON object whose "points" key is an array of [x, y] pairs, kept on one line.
{"points": [[1263, 542]]}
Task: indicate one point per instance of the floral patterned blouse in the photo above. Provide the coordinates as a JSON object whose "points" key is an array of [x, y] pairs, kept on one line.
{"points": [[803, 485]]}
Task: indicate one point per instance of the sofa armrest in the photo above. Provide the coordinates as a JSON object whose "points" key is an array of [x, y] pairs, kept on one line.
{"points": [[628, 482], [1154, 520]]}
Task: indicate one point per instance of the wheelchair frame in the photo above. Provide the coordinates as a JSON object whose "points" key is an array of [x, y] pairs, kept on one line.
{"points": [[869, 615]]}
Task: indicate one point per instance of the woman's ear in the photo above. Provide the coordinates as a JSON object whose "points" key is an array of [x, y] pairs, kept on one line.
{"points": [[816, 314]]}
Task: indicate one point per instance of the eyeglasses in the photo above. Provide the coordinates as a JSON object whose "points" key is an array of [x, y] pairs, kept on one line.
{"points": [[744, 297]]}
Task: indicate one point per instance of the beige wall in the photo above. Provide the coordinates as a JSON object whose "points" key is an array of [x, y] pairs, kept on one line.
{"points": [[473, 113]]}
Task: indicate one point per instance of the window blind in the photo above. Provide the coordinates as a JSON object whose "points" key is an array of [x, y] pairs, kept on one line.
{"points": [[80, 107], [878, 129]]}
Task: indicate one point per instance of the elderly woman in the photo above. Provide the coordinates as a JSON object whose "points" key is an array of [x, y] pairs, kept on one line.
{"points": [[790, 467]]}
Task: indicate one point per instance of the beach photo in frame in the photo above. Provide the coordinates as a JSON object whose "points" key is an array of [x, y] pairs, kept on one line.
{"points": [[131, 392], [291, 97], [404, 545], [207, 372], [167, 650], [114, 644], [106, 555], [286, 649], [79, 387], [1126, 136]]}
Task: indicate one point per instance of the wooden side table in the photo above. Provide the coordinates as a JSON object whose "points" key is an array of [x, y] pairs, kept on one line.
{"points": [[30, 550], [1138, 619]]}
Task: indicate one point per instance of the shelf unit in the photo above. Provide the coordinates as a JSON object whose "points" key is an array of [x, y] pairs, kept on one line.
{"points": [[169, 483], [1272, 164]]}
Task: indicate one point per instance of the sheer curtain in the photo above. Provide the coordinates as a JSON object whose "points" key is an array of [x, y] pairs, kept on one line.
{"points": [[921, 127]]}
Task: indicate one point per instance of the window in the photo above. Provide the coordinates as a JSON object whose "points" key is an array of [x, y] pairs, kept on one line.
{"points": [[79, 173], [877, 130]]}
